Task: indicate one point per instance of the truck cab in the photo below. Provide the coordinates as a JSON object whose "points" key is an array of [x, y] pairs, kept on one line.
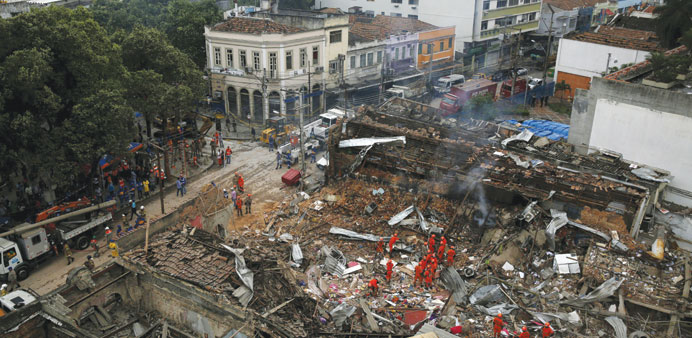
{"points": [[15, 300], [11, 258], [445, 83], [24, 252], [450, 104], [519, 87]]}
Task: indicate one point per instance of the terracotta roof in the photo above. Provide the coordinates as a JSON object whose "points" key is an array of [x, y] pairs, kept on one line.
{"points": [[627, 33], [643, 66], [615, 41], [572, 4], [330, 10], [381, 27], [254, 26]]}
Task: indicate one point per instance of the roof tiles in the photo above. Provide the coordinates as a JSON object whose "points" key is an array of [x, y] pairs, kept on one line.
{"points": [[254, 26], [616, 41], [381, 27]]}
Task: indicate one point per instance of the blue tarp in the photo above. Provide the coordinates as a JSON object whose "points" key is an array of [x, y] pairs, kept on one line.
{"points": [[543, 128]]}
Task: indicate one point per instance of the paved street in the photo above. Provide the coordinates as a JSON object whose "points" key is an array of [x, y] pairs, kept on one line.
{"points": [[251, 159]]}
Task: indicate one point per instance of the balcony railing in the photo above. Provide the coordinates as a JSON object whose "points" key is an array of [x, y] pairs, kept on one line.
{"points": [[253, 74], [524, 26]]}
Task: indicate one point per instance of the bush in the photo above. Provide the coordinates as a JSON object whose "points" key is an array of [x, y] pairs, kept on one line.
{"points": [[560, 107]]}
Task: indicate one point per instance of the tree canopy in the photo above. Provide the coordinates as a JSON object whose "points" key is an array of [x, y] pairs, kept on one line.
{"points": [[62, 107], [674, 19], [182, 20]]}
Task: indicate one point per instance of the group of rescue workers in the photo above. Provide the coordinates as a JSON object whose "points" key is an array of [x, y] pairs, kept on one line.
{"points": [[434, 252]]}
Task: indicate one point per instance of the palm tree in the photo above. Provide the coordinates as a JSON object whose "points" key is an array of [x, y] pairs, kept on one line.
{"points": [[674, 19]]}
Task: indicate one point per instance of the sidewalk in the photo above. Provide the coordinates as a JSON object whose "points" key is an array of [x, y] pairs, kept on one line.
{"points": [[545, 113]]}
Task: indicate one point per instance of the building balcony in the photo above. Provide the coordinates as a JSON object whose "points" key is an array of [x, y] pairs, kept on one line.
{"points": [[514, 10], [524, 27], [251, 73]]}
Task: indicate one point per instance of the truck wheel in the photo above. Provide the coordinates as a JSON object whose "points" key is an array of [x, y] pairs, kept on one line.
{"points": [[22, 273], [82, 242]]}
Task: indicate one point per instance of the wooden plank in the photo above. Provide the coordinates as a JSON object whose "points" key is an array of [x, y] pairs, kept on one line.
{"points": [[368, 315]]}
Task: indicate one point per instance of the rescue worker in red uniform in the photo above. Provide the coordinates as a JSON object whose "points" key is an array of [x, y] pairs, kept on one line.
{"points": [[497, 325], [374, 289], [431, 243], [428, 280], [419, 275], [380, 247], [390, 266], [547, 330], [450, 256], [524, 333], [392, 241]]}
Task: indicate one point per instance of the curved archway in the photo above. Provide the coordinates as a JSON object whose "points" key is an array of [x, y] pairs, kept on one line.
{"points": [[274, 103], [316, 101], [232, 97], [258, 101], [244, 104]]}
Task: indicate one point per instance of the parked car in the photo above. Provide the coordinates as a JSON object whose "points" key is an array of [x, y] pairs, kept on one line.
{"points": [[501, 75], [522, 71], [535, 82]]}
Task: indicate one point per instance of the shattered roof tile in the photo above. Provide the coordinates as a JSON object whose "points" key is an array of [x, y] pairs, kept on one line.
{"points": [[381, 27], [254, 26], [616, 41], [571, 4]]}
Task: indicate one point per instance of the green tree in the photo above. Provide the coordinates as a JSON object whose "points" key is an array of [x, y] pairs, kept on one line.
{"points": [[562, 87], [674, 19], [481, 107], [51, 61], [124, 15], [185, 23], [297, 4]]}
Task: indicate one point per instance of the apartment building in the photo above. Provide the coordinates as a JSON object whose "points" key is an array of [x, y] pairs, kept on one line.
{"points": [[256, 62], [480, 25]]}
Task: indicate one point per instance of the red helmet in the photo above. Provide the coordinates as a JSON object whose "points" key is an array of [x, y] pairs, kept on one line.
{"points": [[523, 328]]}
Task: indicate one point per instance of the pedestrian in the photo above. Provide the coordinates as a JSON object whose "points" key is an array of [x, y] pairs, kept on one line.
{"points": [[234, 126], [431, 243], [145, 185], [239, 206], [99, 195], [228, 124], [234, 195], [241, 184], [374, 289], [545, 98], [3, 290], [12, 280], [178, 185], [392, 241], [248, 204], [390, 266], [428, 280], [213, 148], [228, 154], [183, 184], [497, 325], [68, 254], [271, 143], [89, 263], [95, 245], [221, 140], [524, 333], [380, 247], [249, 117], [252, 132], [533, 100], [313, 154], [547, 331], [133, 209], [278, 160], [220, 158], [143, 213], [111, 191], [114, 249], [225, 193], [108, 234], [140, 190]]}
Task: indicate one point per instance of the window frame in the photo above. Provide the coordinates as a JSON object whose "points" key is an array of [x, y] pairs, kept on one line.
{"points": [[289, 60], [335, 36], [303, 57], [217, 56], [257, 60], [243, 59], [229, 57], [379, 56], [315, 55], [363, 60], [352, 62]]}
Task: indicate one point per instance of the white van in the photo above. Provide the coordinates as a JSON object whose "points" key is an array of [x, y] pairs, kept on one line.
{"points": [[445, 83]]}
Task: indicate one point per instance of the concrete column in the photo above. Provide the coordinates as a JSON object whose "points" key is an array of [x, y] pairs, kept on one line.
{"points": [[225, 100], [282, 97], [265, 105], [251, 98], [238, 103]]}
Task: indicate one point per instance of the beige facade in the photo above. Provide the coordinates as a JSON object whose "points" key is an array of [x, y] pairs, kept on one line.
{"points": [[284, 58]]}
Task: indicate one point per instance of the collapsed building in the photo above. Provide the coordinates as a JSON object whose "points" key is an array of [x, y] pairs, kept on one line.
{"points": [[542, 234]]}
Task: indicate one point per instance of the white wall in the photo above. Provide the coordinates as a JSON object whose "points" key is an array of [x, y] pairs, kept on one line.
{"points": [[447, 13], [377, 6], [590, 59], [647, 136]]}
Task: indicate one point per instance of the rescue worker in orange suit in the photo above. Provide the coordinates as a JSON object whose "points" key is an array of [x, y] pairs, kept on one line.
{"points": [[547, 330], [442, 248], [524, 333], [239, 206], [392, 241], [419, 275], [380, 247], [450, 256], [241, 183], [428, 280], [431, 243], [374, 289], [497, 325], [390, 266]]}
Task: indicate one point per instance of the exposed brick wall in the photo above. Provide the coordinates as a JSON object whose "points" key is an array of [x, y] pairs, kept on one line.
{"points": [[575, 81]]}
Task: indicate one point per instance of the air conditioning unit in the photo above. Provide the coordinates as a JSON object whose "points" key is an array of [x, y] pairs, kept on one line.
{"points": [[248, 70], [413, 7], [319, 69], [295, 72], [218, 94]]}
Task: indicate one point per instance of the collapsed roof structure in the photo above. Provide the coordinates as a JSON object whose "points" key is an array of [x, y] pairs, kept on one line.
{"points": [[541, 234]]}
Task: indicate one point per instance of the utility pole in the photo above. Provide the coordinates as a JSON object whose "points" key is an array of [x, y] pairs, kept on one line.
{"points": [[324, 94], [265, 100], [158, 160], [342, 64], [383, 73], [302, 148], [547, 50], [514, 64], [309, 89], [431, 51]]}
